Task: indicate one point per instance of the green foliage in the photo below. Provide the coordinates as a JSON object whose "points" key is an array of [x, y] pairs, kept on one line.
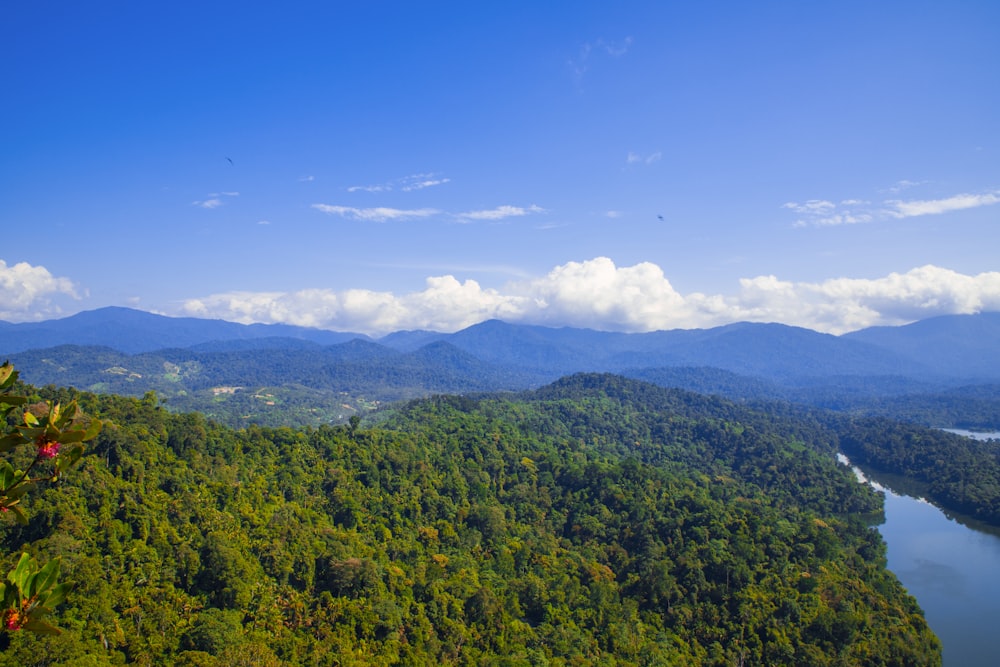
{"points": [[597, 521], [958, 473], [32, 594], [56, 435]]}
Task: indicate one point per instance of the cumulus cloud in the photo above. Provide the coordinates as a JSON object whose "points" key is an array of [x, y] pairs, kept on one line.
{"points": [[445, 304], [601, 295], [823, 213], [376, 214], [26, 292]]}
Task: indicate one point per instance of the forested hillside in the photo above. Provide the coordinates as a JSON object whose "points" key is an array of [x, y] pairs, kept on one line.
{"points": [[596, 521], [957, 473]]}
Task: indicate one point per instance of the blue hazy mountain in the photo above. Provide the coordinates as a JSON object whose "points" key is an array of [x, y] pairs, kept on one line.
{"points": [[133, 331], [952, 360]]}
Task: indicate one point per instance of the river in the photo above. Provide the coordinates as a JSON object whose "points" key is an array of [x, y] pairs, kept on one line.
{"points": [[952, 568]]}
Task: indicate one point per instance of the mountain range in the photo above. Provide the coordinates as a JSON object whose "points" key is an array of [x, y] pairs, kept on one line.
{"points": [[129, 351]]}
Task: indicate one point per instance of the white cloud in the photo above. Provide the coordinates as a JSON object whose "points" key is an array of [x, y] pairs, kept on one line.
{"points": [[500, 212], [208, 203], [421, 181], [823, 213], [446, 304], [307, 179], [812, 207], [377, 214], [213, 200], [600, 295], [369, 188], [635, 158], [26, 292], [909, 209], [409, 183]]}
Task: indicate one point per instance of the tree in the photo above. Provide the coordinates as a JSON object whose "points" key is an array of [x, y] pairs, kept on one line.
{"points": [[57, 434]]}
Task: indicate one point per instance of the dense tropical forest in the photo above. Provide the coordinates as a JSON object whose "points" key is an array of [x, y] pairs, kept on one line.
{"points": [[595, 521]]}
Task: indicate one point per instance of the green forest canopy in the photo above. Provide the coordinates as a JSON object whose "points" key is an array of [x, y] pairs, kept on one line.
{"points": [[595, 521]]}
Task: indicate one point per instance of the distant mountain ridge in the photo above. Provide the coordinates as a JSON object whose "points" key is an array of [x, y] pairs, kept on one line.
{"points": [[127, 351], [134, 331], [955, 346]]}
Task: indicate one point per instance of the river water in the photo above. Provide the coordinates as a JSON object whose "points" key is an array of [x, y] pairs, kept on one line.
{"points": [[952, 568]]}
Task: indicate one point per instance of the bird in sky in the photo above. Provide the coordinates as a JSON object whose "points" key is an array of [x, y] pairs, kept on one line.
{"points": [[230, 161]]}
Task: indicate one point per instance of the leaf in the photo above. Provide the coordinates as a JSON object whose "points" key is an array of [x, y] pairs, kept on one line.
{"points": [[36, 625], [18, 514], [7, 475], [7, 375], [58, 595], [12, 440], [93, 428], [67, 458], [46, 577], [18, 491], [19, 575], [67, 437]]}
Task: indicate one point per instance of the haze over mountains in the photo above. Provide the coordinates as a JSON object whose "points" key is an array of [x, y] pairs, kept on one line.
{"points": [[129, 351], [955, 346]]}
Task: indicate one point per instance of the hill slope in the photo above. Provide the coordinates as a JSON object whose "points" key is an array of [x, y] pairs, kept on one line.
{"points": [[921, 372], [596, 521]]}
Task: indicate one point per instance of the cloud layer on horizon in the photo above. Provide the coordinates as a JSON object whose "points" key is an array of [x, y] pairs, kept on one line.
{"points": [[600, 295], [594, 294], [26, 292]]}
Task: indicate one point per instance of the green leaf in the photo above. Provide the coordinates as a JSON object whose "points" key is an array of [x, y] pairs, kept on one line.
{"points": [[58, 595], [36, 625], [7, 375], [67, 437], [7, 475], [12, 440], [18, 491], [18, 514], [19, 575], [93, 428], [46, 577]]}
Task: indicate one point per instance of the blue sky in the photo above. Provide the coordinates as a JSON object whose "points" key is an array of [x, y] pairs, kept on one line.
{"points": [[379, 166]]}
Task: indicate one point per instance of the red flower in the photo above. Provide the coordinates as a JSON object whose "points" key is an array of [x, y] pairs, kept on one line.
{"points": [[47, 449], [14, 621]]}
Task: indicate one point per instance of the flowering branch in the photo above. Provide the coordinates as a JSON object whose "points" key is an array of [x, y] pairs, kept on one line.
{"points": [[57, 434]]}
